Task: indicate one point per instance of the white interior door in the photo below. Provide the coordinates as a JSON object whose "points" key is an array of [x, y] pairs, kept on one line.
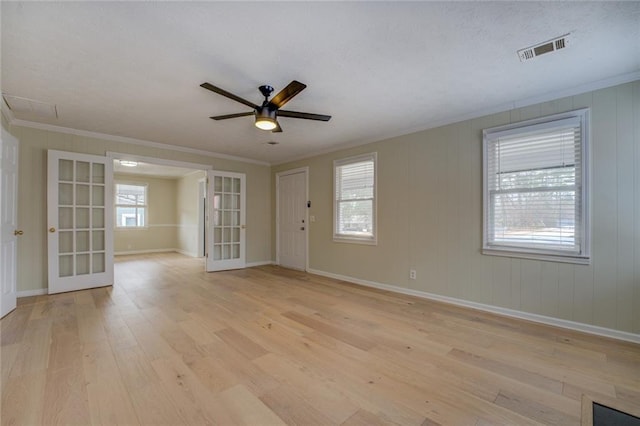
{"points": [[292, 220], [226, 225], [80, 217], [8, 222]]}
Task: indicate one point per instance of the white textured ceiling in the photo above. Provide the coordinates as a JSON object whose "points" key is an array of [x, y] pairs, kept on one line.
{"points": [[381, 69]]}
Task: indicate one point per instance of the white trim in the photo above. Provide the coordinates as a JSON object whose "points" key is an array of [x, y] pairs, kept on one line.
{"points": [[159, 161], [550, 96], [259, 263], [131, 141], [580, 117], [29, 293], [346, 238], [557, 322], [201, 227], [304, 170], [157, 225], [529, 254], [188, 253], [144, 207], [125, 253]]}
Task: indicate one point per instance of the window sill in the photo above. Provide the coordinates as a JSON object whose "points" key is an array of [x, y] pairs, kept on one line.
{"points": [[536, 256], [354, 240], [131, 228]]}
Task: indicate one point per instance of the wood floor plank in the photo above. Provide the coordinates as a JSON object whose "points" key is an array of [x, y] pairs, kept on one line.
{"points": [[286, 403], [311, 387], [531, 409], [247, 409], [109, 401], [23, 399], [65, 399], [241, 343], [150, 401], [187, 392], [33, 355], [171, 344]]}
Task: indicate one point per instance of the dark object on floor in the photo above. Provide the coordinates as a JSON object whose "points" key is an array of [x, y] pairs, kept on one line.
{"points": [[605, 416]]}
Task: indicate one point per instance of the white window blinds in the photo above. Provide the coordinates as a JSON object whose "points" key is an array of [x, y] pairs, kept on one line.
{"points": [[534, 188], [355, 198]]}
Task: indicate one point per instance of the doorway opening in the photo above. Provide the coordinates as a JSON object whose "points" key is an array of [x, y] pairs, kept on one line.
{"points": [[159, 206]]}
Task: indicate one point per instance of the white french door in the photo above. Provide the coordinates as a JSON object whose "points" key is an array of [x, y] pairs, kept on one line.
{"points": [[226, 230], [8, 222], [80, 217], [292, 219]]}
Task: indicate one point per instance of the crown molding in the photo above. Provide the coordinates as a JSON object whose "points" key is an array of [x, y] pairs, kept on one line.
{"points": [[550, 96], [132, 141]]}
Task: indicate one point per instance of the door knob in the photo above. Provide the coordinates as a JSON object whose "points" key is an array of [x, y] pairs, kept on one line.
{"points": [[302, 228], [52, 229], [18, 232]]}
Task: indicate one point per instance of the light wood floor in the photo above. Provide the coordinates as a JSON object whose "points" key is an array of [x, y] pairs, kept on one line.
{"points": [[171, 344]]}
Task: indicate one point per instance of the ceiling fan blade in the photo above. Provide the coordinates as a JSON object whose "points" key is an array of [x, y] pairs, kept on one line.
{"points": [[304, 115], [224, 93], [278, 129], [286, 94], [239, 114]]}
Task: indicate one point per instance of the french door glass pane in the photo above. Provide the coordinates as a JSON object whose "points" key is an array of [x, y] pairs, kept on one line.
{"points": [[81, 224]]}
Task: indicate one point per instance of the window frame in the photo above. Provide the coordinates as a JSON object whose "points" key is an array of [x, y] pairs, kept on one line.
{"points": [[144, 206], [584, 254], [350, 238]]}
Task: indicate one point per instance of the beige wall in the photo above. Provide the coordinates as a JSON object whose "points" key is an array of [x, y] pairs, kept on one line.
{"points": [[187, 213], [32, 246], [161, 230], [430, 219]]}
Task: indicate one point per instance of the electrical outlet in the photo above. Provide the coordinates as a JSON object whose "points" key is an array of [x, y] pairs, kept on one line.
{"points": [[412, 274]]}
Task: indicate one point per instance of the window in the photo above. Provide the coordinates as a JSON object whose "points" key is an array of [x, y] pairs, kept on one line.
{"points": [[355, 199], [535, 189], [131, 205]]}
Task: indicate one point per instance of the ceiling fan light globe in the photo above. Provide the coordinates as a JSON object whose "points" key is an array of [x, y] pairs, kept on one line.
{"points": [[266, 119], [265, 123]]}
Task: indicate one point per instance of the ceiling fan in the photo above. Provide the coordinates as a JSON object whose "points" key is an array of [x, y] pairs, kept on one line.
{"points": [[267, 113]]}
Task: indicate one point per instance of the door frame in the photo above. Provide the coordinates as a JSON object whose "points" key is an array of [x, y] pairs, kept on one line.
{"points": [[304, 170], [202, 215], [173, 163], [9, 271], [159, 161]]}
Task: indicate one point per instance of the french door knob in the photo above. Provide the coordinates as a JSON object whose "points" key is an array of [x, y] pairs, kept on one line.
{"points": [[18, 232], [52, 229]]}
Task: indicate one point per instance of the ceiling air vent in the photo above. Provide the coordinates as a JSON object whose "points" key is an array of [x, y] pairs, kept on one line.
{"points": [[30, 108], [542, 48]]}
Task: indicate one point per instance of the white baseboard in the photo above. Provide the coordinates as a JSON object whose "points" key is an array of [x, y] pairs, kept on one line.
{"points": [[187, 253], [124, 253], [29, 293], [571, 325], [259, 263]]}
